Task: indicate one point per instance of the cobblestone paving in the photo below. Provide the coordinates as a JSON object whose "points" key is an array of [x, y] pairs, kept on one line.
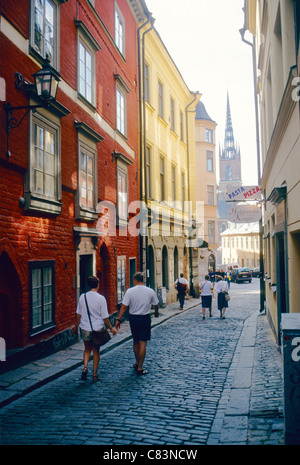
{"points": [[188, 361]]}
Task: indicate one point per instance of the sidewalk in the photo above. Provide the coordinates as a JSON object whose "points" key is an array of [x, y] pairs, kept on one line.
{"points": [[18, 382]]}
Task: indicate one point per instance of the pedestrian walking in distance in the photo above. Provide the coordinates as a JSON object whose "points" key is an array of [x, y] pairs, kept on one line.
{"points": [[139, 299], [99, 317], [181, 285], [206, 288], [221, 287]]}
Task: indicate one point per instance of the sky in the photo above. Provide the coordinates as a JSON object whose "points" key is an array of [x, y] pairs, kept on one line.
{"points": [[203, 39]]}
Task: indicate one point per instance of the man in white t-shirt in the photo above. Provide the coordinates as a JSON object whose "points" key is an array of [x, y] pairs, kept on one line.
{"points": [[206, 295], [99, 318], [139, 299]]}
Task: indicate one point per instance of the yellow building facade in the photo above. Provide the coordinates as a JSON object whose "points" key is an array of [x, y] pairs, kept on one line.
{"points": [[168, 178], [275, 27]]}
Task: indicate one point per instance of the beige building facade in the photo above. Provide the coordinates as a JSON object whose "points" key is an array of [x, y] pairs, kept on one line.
{"points": [[240, 245], [275, 27], [206, 188]]}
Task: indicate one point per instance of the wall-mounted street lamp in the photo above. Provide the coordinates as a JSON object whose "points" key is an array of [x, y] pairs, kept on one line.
{"points": [[45, 84]]}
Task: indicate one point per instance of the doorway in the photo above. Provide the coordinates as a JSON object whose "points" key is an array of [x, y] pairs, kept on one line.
{"points": [[85, 270]]}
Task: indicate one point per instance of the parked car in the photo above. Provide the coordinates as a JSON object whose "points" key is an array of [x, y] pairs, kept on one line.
{"points": [[256, 272], [241, 274]]}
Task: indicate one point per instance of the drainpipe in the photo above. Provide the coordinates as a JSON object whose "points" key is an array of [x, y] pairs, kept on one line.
{"points": [[142, 113], [192, 291], [261, 263]]}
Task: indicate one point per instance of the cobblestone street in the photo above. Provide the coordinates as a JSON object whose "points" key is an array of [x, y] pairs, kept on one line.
{"points": [[189, 362]]}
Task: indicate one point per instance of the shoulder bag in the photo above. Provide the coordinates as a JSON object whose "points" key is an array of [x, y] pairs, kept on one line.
{"points": [[101, 337], [226, 295]]}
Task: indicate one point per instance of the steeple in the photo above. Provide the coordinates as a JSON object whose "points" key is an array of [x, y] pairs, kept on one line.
{"points": [[230, 150]]}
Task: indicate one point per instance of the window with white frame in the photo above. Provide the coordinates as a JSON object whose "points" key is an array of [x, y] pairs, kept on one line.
{"points": [[43, 178], [85, 72], [210, 195], [86, 69], [173, 183], [148, 172], [122, 195], [121, 110], [162, 179], [86, 197], [172, 111], [160, 99], [147, 83], [44, 29], [209, 161], [181, 126], [121, 278], [119, 30], [41, 295], [209, 136]]}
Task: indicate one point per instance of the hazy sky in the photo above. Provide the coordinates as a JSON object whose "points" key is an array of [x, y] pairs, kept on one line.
{"points": [[203, 39]]}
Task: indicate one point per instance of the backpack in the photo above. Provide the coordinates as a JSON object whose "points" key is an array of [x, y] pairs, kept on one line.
{"points": [[181, 288]]}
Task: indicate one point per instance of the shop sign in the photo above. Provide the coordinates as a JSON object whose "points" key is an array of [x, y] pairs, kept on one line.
{"points": [[243, 193], [244, 214]]}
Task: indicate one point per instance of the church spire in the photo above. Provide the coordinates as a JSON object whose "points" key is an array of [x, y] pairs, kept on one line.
{"points": [[229, 150]]}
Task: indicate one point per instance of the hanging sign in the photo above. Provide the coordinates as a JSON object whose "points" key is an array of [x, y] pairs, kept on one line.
{"points": [[243, 193], [244, 214]]}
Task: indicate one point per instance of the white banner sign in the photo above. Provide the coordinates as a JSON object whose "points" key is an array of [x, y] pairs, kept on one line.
{"points": [[244, 214], [243, 193]]}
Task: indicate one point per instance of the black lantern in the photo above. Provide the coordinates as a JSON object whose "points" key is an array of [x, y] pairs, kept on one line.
{"points": [[46, 83]]}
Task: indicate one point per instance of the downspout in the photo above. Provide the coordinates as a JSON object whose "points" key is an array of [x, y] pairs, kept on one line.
{"points": [[192, 292], [261, 263], [142, 112]]}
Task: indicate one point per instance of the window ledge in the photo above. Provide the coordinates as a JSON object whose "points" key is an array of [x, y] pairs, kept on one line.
{"points": [[82, 213], [42, 204]]}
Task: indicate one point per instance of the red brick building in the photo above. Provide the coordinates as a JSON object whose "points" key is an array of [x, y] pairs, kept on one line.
{"points": [[65, 161]]}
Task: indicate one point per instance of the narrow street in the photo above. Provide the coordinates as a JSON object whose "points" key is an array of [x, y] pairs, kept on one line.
{"points": [[176, 403]]}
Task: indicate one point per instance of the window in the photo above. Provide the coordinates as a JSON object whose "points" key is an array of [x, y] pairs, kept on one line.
{"points": [[160, 99], [210, 195], [43, 179], [85, 72], [173, 183], [148, 171], [41, 295], [119, 30], [228, 173], [122, 195], [162, 178], [87, 196], [147, 83], [87, 47], [121, 278], [211, 231], [209, 161], [121, 111], [209, 136], [181, 126], [44, 30], [172, 110], [182, 189]]}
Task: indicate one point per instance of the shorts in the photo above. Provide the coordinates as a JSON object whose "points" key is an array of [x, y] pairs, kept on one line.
{"points": [[86, 335], [206, 301], [140, 326]]}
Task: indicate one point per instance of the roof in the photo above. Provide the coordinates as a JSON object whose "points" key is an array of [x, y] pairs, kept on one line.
{"points": [[201, 112]]}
